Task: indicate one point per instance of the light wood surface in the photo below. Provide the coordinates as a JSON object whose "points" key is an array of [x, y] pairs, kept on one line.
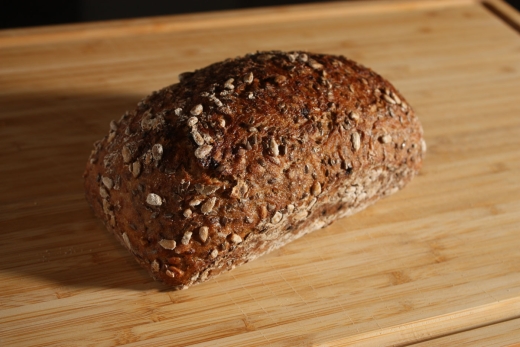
{"points": [[500, 334], [436, 264]]}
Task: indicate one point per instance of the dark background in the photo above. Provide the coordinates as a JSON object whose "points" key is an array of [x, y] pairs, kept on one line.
{"points": [[24, 13]]}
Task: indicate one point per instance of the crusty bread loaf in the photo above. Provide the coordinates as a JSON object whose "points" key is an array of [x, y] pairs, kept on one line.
{"points": [[245, 155]]}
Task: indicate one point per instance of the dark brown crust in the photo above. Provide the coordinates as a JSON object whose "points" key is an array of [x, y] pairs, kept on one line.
{"points": [[295, 141]]}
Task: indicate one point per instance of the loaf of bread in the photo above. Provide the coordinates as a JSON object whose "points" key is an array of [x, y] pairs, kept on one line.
{"points": [[245, 155]]}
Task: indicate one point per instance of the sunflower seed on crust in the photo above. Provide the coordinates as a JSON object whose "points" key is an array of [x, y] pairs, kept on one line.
{"points": [[186, 238], [248, 78], [235, 238], [207, 207], [196, 110], [168, 244], [356, 141], [107, 182], [153, 199], [203, 233], [203, 151]]}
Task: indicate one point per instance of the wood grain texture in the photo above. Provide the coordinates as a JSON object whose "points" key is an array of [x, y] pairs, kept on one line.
{"points": [[434, 262], [495, 335]]}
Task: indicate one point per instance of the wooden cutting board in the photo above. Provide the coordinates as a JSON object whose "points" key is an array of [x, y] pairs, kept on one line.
{"points": [[436, 264]]}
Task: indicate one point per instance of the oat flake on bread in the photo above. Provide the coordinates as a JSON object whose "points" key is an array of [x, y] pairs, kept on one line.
{"points": [[245, 155]]}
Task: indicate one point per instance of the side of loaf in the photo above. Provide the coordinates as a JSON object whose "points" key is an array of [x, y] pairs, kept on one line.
{"points": [[246, 155]]}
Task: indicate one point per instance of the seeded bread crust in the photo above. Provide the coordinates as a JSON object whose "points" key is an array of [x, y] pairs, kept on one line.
{"points": [[245, 155]]}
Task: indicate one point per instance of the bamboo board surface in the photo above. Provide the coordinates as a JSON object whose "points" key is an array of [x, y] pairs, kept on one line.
{"points": [[436, 264]]}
